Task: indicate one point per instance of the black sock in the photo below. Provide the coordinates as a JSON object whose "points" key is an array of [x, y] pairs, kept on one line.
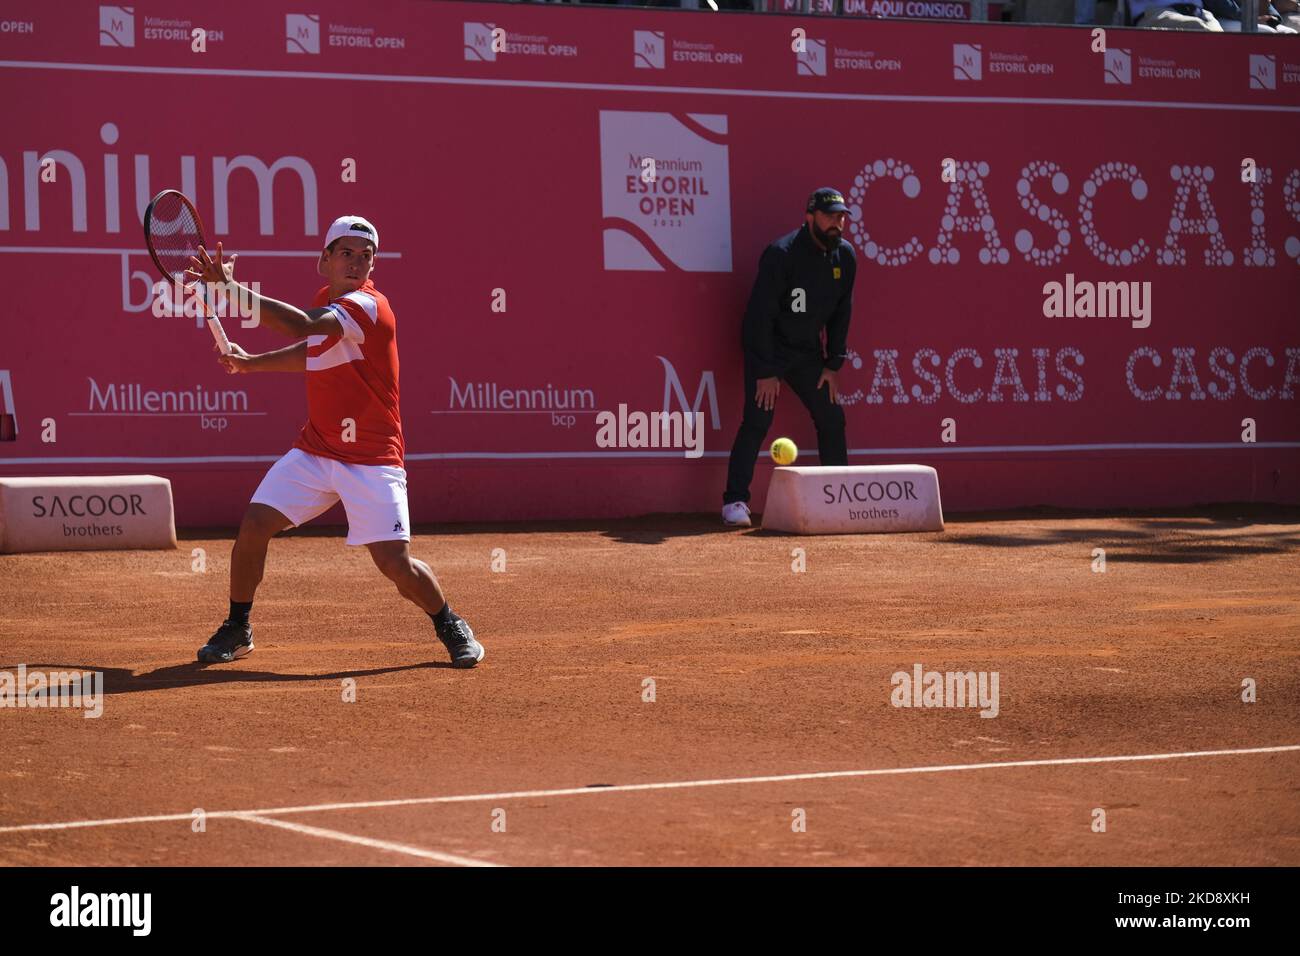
{"points": [[444, 617], [239, 611]]}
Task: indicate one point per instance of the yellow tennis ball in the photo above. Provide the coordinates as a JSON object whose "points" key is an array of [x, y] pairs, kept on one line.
{"points": [[784, 452]]}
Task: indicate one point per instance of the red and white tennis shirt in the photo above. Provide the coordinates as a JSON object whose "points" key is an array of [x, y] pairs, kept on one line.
{"points": [[354, 376]]}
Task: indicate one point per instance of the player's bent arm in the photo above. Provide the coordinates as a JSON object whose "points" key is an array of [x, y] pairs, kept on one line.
{"points": [[291, 358], [290, 320], [323, 321]]}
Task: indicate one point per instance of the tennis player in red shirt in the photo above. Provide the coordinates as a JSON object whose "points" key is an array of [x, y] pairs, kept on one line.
{"points": [[351, 447]]}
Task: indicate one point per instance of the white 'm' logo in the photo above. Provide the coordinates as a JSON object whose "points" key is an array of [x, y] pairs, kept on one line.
{"points": [[1117, 65], [8, 414], [117, 26], [302, 32], [812, 61], [967, 61], [648, 49], [478, 43], [1263, 71], [673, 387]]}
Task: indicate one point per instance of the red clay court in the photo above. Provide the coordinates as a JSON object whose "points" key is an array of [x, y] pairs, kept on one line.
{"points": [[1119, 690]]}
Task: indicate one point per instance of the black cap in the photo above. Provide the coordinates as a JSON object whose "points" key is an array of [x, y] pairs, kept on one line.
{"points": [[827, 199]]}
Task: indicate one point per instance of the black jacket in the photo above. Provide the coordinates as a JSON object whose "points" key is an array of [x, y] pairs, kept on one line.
{"points": [[774, 335]]}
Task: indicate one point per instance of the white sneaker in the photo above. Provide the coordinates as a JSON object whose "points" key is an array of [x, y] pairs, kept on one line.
{"points": [[736, 514]]}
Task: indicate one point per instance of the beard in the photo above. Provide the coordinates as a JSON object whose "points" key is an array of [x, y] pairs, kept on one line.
{"points": [[830, 239]]}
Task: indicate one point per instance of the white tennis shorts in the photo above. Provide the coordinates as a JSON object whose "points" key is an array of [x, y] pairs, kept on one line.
{"points": [[301, 486]]}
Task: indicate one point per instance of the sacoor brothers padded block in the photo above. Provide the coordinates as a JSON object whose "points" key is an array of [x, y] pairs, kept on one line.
{"points": [[80, 514], [853, 498]]}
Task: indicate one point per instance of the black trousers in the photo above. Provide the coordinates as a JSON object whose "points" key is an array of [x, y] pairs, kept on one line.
{"points": [[828, 419]]}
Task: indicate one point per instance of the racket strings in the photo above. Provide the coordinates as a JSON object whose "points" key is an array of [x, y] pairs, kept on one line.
{"points": [[174, 234]]}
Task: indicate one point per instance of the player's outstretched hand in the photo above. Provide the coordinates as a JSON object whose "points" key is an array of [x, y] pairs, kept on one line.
{"points": [[768, 390], [204, 268], [236, 362]]}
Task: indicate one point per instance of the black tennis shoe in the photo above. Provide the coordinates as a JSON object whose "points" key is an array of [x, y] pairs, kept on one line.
{"points": [[231, 642], [459, 640]]}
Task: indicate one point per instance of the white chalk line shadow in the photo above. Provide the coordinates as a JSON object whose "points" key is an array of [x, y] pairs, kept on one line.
{"points": [[633, 787], [386, 845]]}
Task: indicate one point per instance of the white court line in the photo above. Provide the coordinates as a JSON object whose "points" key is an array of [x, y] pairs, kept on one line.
{"points": [[365, 841], [631, 787]]}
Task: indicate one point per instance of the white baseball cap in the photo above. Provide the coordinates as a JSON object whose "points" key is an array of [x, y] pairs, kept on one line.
{"points": [[351, 226]]}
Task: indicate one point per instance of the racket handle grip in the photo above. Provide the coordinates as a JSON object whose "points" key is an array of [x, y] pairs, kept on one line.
{"points": [[219, 334]]}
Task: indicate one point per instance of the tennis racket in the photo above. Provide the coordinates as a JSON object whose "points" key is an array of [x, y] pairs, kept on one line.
{"points": [[173, 232]]}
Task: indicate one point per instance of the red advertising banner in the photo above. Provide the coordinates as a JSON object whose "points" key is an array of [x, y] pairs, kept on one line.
{"points": [[1078, 269]]}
